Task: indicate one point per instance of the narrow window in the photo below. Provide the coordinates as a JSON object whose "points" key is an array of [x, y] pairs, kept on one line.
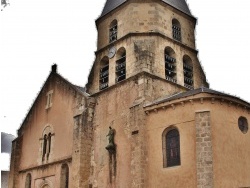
{"points": [[243, 124], [64, 182], [170, 65], [173, 148], [49, 99], [49, 144], [104, 73], [44, 146], [188, 72], [121, 65], [113, 31], [28, 181], [176, 30]]}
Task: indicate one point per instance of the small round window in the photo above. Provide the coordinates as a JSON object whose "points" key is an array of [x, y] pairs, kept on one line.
{"points": [[243, 125]]}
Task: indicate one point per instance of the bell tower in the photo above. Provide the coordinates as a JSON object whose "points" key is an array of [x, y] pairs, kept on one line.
{"points": [[155, 37], [145, 51]]}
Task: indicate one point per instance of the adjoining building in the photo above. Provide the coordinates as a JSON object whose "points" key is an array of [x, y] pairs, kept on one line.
{"points": [[146, 117]]}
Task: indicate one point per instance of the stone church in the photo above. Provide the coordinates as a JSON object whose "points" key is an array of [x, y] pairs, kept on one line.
{"points": [[145, 119]]}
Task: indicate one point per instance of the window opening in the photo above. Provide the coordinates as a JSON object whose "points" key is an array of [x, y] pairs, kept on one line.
{"points": [[44, 146], [173, 148], [170, 67], [121, 67], [113, 31], [49, 99], [64, 176], [49, 144], [188, 72], [28, 181], [176, 30], [104, 74], [243, 124]]}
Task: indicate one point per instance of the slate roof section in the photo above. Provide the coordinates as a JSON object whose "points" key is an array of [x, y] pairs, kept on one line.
{"points": [[111, 5], [83, 89], [190, 93], [6, 142], [178, 4]]}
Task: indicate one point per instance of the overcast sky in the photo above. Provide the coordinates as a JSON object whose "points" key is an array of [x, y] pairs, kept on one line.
{"points": [[34, 34]]}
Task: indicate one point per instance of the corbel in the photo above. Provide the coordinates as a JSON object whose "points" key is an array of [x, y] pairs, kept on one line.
{"points": [[191, 101], [213, 99], [221, 101], [173, 106], [201, 100]]}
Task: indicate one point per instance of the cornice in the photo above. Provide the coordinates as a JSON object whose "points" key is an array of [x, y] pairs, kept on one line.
{"points": [[132, 77], [191, 100], [150, 33], [43, 166]]}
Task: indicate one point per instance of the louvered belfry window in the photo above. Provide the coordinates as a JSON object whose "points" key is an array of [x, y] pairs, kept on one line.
{"points": [[176, 30], [170, 67], [121, 67], [113, 31], [104, 73], [173, 148]]}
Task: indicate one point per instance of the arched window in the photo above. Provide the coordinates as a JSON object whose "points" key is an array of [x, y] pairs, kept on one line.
{"points": [[121, 65], [171, 148], [176, 29], [46, 143], [170, 64], [113, 31], [28, 181], [188, 72], [64, 181], [243, 124], [104, 73]]}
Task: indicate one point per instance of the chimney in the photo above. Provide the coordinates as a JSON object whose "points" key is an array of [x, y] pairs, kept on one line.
{"points": [[54, 68]]}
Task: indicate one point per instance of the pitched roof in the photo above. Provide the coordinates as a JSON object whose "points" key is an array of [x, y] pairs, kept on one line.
{"points": [[178, 4], [190, 93], [78, 89]]}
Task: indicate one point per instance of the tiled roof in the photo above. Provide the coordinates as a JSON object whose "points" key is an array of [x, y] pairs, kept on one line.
{"points": [[190, 93], [178, 4]]}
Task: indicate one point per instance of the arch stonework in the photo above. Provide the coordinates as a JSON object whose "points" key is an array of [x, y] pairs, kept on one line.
{"points": [[45, 157]]}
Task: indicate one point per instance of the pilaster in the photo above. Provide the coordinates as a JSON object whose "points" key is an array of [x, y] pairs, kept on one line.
{"points": [[204, 152]]}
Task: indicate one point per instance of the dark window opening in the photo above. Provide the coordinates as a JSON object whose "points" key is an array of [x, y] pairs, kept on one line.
{"points": [[44, 146], [28, 181], [188, 72], [176, 30], [64, 183], [243, 124], [49, 144], [173, 148], [170, 67], [104, 74], [121, 67], [113, 31]]}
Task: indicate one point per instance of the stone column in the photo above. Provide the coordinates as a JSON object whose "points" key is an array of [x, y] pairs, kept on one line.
{"points": [[82, 143], [204, 152]]}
